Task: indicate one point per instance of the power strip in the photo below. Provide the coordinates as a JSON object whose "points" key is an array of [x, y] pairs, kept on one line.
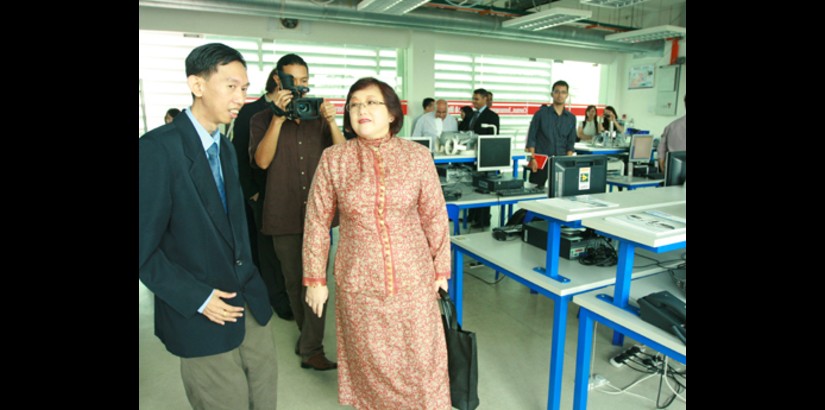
{"points": [[619, 360]]}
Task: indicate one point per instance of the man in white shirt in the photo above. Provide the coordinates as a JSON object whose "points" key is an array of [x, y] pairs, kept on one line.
{"points": [[432, 124]]}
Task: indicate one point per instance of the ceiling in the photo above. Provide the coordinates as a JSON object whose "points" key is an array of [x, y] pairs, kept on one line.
{"points": [[471, 17]]}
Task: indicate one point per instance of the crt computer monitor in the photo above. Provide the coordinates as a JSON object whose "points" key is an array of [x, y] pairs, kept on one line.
{"points": [[641, 149], [493, 153], [425, 141], [675, 168], [577, 175]]}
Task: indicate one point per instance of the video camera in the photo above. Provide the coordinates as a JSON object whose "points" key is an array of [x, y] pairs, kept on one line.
{"points": [[301, 108]]}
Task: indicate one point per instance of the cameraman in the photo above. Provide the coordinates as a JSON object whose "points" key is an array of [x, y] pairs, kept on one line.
{"points": [[289, 149]]}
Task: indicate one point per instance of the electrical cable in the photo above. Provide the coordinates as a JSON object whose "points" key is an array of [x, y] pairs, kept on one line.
{"points": [[671, 387], [495, 282]]}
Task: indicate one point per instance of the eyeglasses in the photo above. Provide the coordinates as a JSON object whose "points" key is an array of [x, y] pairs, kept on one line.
{"points": [[360, 106]]}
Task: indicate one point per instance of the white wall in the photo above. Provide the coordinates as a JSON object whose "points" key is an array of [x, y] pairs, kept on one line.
{"points": [[639, 104], [420, 49]]}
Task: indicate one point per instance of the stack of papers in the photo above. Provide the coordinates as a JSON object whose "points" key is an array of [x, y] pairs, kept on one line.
{"points": [[655, 222], [581, 203]]}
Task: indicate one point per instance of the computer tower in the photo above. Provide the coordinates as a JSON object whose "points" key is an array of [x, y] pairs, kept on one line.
{"points": [[570, 246]]}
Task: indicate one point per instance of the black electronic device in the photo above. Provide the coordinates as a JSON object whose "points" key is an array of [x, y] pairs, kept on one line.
{"points": [[577, 175], [507, 233], [675, 166], [665, 311], [299, 107], [570, 246], [496, 183]]}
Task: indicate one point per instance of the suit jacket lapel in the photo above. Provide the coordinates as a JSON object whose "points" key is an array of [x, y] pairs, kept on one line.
{"points": [[201, 175]]}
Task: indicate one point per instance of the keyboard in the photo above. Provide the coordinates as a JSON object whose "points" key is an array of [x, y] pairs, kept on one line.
{"points": [[451, 194], [655, 175], [520, 191]]}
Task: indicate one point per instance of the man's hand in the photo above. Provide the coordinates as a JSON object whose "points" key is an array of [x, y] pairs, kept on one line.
{"points": [[328, 111], [534, 166], [221, 312], [316, 297], [441, 283], [282, 99]]}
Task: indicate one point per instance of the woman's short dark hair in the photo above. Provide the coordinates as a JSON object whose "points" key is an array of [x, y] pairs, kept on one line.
{"points": [[606, 122], [204, 60], [467, 110], [391, 101]]}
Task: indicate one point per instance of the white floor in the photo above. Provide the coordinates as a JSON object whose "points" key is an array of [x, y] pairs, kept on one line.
{"points": [[513, 328]]}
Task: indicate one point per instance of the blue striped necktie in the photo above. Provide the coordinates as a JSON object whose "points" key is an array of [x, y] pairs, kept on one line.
{"points": [[215, 164]]}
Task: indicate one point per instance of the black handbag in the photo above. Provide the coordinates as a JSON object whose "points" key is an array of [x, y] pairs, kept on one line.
{"points": [[462, 356]]}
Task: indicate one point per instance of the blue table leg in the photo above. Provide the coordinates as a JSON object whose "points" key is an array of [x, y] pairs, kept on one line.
{"points": [[452, 213], [583, 353], [557, 351], [551, 266], [456, 289], [624, 272], [465, 218]]}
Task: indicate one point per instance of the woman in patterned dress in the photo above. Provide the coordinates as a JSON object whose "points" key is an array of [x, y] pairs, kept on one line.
{"points": [[393, 255]]}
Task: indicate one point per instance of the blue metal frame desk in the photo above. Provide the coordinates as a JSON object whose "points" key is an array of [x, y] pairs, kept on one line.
{"points": [[557, 212], [632, 238], [593, 309], [632, 183], [516, 260]]}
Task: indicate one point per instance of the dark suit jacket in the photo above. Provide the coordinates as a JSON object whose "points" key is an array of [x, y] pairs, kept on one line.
{"points": [[487, 116], [188, 245], [252, 179]]}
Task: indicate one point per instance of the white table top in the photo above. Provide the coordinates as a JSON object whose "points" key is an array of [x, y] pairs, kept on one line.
{"points": [[469, 196], [580, 146], [520, 258], [641, 287], [637, 235], [454, 157], [629, 201], [632, 181]]}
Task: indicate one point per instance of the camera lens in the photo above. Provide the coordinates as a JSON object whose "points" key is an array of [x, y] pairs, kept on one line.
{"points": [[303, 107]]}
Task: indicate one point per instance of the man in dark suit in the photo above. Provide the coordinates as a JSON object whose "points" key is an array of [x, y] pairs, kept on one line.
{"points": [[253, 184], [480, 217], [211, 306]]}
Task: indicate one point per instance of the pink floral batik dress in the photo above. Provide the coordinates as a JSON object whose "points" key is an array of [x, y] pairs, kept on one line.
{"points": [[394, 244]]}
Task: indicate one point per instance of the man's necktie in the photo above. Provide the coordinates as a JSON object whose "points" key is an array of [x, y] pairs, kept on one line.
{"points": [[472, 121], [215, 164]]}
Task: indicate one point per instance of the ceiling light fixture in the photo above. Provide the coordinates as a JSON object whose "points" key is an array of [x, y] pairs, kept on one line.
{"points": [[613, 4], [397, 7], [648, 34], [548, 18]]}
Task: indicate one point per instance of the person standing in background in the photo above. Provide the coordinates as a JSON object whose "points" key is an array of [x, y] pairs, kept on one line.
{"points": [[393, 256], [674, 138], [429, 106], [590, 126], [253, 183], [170, 115], [552, 132], [466, 114], [193, 245], [289, 150], [480, 217], [611, 120], [434, 123]]}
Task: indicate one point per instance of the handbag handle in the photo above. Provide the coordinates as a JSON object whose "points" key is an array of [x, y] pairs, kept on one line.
{"points": [[448, 309]]}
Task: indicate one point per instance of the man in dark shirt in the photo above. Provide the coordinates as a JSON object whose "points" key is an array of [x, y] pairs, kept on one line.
{"points": [[552, 132], [289, 150], [253, 183], [480, 123]]}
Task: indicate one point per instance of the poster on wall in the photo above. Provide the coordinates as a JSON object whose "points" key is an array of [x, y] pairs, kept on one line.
{"points": [[641, 76]]}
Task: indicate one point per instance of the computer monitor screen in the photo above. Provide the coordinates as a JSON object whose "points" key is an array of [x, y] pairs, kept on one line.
{"points": [[493, 153], [641, 148], [425, 141], [577, 175], [675, 168]]}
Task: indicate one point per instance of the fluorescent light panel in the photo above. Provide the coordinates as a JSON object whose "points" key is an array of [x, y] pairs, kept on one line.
{"points": [[648, 34], [547, 18], [397, 7], [613, 4]]}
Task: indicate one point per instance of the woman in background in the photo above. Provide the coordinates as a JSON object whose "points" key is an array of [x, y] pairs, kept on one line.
{"points": [[611, 120], [393, 256], [466, 114], [590, 126]]}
